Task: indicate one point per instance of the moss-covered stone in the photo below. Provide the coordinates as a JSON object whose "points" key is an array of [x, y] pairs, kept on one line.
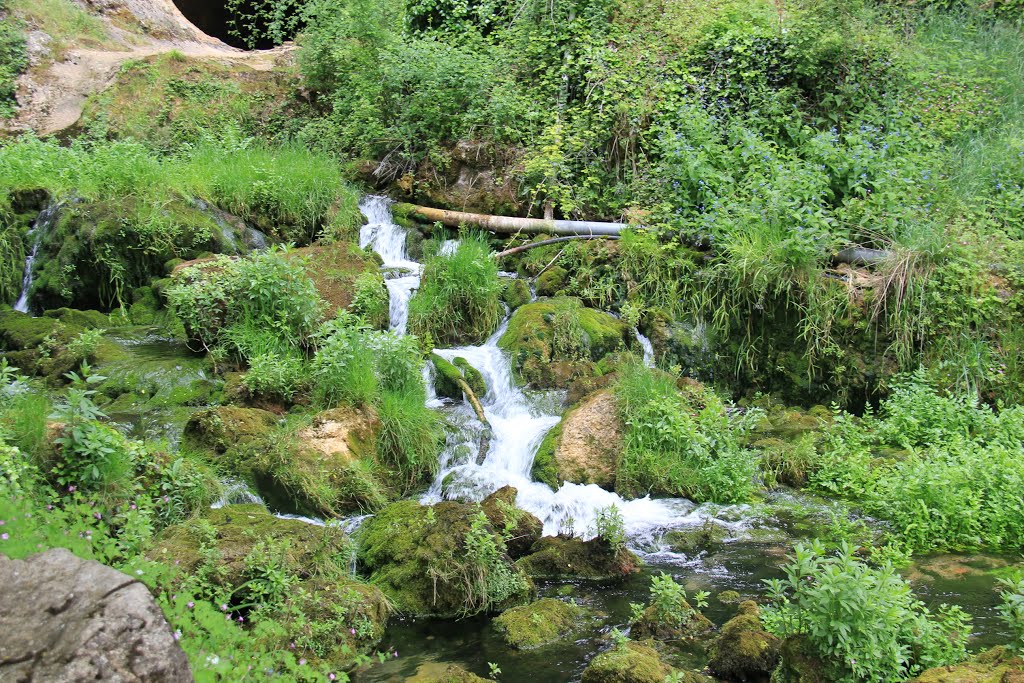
{"points": [[544, 468], [473, 377], [234, 543], [521, 529], [554, 341], [552, 281], [799, 664], [334, 270], [446, 379], [652, 624], [629, 663], [87, 320], [418, 556], [998, 665], [516, 293], [560, 557], [39, 346], [744, 650], [440, 672], [221, 428], [538, 623], [695, 539], [729, 597]]}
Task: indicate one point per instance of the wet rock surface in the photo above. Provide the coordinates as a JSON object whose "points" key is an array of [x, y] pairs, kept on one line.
{"points": [[68, 619]]}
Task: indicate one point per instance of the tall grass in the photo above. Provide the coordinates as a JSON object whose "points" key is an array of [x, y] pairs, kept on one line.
{"points": [[411, 436], [459, 300]]}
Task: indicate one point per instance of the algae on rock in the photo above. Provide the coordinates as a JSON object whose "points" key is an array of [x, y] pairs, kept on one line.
{"points": [[561, 557], [538, 623]]}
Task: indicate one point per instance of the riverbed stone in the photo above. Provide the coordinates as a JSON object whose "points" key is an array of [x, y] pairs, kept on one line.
{"points": [[516, 293], [521, 528], [74, 620], [538, 623], [998, 665], [421, 557], [695, 539], [562, 557], [442, 672], [589, 443], [744, 650], [554, 341], [631, 662]]}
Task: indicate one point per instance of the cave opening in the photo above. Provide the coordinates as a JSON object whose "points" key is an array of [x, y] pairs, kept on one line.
{"points": [[214, 18]]}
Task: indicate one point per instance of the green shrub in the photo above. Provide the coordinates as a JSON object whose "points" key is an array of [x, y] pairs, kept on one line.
{"points": [[411, 437], [668, 600], [1011, 611], [13, 60], [864, 622], [344, 366], [459, 300], [371, 301], [681, 444], [610, 528]]}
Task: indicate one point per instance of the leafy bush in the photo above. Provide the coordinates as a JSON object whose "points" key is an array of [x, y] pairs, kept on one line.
{"points": [[680, 443], [610, 527], [1011, 611], [863, 622], [371, 301], [13, 60], [668, 598]]}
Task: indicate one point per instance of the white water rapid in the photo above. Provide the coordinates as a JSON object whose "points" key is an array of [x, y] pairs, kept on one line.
{"points": [[46, 219], [647, 346], [519, 421]]}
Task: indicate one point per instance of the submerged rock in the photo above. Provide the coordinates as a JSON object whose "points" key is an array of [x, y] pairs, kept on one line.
{"points": [[442, 560], [628, 663], [744, 650], [74, 620], [998, 665], [521, 528], [538, 623], [440, 672], [554, 341], [560, 557], [694, 539]]}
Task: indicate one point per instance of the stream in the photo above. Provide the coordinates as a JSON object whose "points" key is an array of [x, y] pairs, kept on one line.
{"points": [[756, 540]]}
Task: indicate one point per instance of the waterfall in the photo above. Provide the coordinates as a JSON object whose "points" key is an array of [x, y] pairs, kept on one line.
{"points": [[646, 345], [519, 420], [44, 222]]}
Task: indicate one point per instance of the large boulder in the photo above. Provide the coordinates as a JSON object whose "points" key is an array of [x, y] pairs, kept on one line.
{"points": [[538, 623], [219, 429], [744, 650], [586, 446], [561, 557], [442, 560], [73, 620], [554, 341]]}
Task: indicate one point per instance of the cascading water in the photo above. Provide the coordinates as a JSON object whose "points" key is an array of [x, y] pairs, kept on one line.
{"points": [[646, 345], [44, 222], [518, 422]]}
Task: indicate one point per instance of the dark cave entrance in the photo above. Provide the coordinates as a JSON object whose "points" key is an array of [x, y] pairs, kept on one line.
{"points": [[213, 18]]}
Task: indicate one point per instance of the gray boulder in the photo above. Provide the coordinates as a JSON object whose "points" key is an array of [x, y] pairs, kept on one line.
{"points": [[73, 620]]}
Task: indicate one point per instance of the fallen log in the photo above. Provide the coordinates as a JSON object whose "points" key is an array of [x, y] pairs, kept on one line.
{"points": [[507, 225], [555, 240]]}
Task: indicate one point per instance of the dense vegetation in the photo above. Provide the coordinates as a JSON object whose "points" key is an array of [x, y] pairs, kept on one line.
{"points": [[824, 203]]}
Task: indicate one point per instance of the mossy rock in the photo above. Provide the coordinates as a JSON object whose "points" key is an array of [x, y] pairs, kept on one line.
{"points": [[446, 378], [552, 281], [629, 663], [561, 557], [744, 650], [652, 625], [221, 428], [516, 293], [799, 664], [729, 597], [695, 539], [440, 672], [39, 346], [521, 528], [554, 341], [473, 377], [998, 665], [544, 468], [538, 623], [417, 555], [327, 469], [229, 540], [87, 320], [21, 332]]}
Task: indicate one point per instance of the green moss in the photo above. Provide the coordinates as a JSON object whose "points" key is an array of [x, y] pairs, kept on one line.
{"points": [[87, 320], [729, 597], [218, 429], [516, 293], [695, 539], [446, 382], [559, 557], [998, 665], [552, 281], [798, 664], [473, 378], [652, 625], [556, 340], [416, 555], [520, 528], [544, 468], [630, 663], [20, 331], [439, 672], [538, 623], [744, 650]]}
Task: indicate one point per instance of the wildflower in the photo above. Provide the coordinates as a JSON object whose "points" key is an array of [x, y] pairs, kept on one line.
{"points": [[191, 604], [133, 506], [177, 635], [353, 631], [97, 515], [330, 677], [4, 536], [395, 653], [302, 662], [223, 608], [71, 489], [240, 620], [291, 646]]}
